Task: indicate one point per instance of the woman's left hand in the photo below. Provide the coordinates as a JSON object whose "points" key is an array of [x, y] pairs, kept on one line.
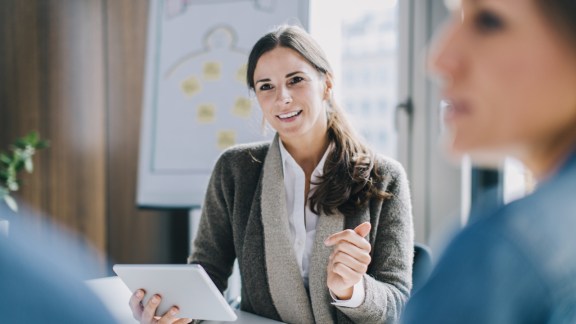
{"points": [[349, 259]]}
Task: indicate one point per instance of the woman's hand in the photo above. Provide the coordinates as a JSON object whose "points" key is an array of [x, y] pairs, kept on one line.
{"points": [[349, 260], [145, 314]]}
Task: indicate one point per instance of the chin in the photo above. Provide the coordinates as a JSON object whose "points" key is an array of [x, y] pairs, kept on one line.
{"points": [[487, 159], [482, 156]]}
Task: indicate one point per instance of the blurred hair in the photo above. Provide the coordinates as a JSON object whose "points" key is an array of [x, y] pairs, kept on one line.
{"points": [[561, 14], [350, 177]]}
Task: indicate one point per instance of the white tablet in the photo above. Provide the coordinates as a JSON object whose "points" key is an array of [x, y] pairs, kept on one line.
{"points": [[187, 286]]}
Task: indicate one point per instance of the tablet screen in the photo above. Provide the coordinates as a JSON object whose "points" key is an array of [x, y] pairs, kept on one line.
{"points": [[187, 286]]}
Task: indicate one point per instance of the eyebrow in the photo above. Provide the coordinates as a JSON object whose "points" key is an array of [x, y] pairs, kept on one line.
{"points": [[286, 76]]}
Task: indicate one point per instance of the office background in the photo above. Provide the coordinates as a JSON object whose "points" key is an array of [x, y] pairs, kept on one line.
{"points": [[73, 70]]}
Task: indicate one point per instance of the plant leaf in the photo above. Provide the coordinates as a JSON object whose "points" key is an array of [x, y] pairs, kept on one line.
{"points": [[19, 157], [13, 185], [17, 165], [5, 158], [42, 144], [21, 143], [32, 137], [29, 165], [11, 203]]}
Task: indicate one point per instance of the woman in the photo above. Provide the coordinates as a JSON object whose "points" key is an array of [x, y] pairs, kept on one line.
{"points": [[295, 212], [510, 71]]}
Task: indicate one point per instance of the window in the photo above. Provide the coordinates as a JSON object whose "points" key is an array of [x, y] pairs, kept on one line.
{"points": [[360, 38], [389, 38]]}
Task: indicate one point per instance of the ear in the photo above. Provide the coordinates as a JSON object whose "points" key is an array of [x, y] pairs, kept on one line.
{"points": [[328, 86]]}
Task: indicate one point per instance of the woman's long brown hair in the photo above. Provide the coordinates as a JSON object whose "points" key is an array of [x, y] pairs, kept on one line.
{"points": [[350, 178]]}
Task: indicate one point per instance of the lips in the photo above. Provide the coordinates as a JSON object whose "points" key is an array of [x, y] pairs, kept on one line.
{"points": [[289, 115], [454, 109]]}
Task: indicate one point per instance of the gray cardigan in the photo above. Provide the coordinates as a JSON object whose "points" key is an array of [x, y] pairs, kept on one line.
{"points": [[244, 216]]}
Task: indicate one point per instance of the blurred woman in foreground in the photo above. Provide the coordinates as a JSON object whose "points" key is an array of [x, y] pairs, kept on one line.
{"points": [[509, 72]]}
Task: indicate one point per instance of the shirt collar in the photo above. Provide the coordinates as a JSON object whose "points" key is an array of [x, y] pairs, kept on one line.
{"points": [[287, 159]]}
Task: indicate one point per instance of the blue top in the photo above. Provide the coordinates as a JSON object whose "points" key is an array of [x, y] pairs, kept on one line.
{"points": [[40, 282], [515, 265]]}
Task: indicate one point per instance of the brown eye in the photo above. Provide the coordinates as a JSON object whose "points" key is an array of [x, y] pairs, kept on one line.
{"points": [[487, 21], [296, 79], [265, 86]]}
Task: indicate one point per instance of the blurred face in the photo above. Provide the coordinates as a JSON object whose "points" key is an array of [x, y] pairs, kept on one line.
{"points": [[291, 93], [509, 78]]}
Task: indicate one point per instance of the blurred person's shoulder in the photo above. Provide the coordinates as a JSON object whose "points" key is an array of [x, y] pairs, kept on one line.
{"points": [[541, 221], [34, 289], [544, 220], [534, 235]]}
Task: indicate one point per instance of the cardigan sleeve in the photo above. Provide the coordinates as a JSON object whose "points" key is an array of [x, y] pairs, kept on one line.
{"points": [[388, 280], [213, 247]]}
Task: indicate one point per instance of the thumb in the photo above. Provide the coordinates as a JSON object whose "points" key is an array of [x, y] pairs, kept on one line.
{"points": [[363, 229]]}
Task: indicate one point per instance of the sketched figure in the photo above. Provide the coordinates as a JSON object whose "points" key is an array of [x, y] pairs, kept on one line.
{"points": [[174, 8]]}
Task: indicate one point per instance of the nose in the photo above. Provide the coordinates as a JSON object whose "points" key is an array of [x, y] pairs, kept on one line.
{"points": [[445, 59], [283, 96]]}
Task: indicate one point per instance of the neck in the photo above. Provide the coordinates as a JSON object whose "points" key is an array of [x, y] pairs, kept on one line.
{"points": [[307, 152], [545, 158]]}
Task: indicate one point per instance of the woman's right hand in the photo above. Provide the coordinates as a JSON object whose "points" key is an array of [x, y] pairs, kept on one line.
{"points": [[145, 314]]}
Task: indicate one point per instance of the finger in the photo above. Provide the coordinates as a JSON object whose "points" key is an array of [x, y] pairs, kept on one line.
{"points": [[183, 321], [136, 303], [150, 309], [170, 316], [336, 237], [349, 276], [362, 254], [350, 251], [355, 264], [345, 235], [363, 229], [350, 235], [355, 245]]}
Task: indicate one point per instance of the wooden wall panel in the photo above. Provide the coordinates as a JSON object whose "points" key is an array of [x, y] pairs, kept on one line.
{"points": [[134, 236], [75, 114], [73, 70], [20, 90], [52, 81]]}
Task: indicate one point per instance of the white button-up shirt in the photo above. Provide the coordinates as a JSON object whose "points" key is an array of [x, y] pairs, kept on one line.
{"points": [[302, 220]]}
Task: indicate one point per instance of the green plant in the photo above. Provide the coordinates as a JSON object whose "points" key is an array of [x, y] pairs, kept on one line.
{"points": [[11, 163]]}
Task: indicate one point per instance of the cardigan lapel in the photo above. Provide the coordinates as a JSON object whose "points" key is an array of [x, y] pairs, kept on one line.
{"points": [[286, 286], [319, 294]]}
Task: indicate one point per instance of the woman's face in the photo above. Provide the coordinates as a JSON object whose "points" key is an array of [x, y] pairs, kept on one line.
{"points": [[509, 77], [291, 92]]}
